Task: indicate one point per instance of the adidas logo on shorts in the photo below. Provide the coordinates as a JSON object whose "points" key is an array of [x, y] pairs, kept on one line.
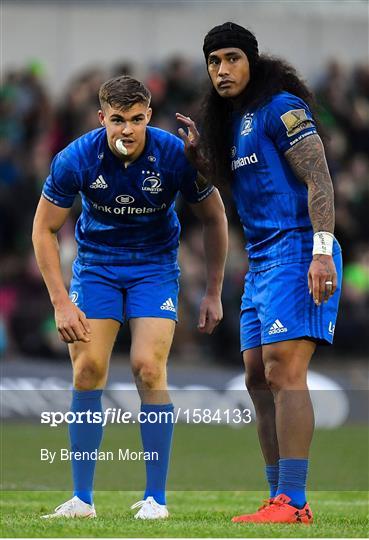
{"points": [[99, 183], [168, 305], [277, 328]]}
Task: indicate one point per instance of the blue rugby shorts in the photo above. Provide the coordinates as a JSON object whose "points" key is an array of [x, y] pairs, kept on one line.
{"points": [[126, 292], [276, 306]]}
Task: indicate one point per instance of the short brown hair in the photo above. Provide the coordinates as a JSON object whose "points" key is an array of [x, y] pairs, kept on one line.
{"points": [[123, 92]]}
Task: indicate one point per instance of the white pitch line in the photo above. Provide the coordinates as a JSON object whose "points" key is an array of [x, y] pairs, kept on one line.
{"points": [[340, 503]]}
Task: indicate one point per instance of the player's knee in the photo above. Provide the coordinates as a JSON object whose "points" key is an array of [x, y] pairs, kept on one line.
{"points": [[255, 380], [148, 373], [281, 373], [273, 374], [89, 376]]}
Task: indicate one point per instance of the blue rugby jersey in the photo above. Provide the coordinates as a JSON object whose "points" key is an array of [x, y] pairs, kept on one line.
{"points": [[127, 213], [271, 202]]}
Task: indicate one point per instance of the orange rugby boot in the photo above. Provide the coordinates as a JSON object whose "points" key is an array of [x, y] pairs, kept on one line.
{"points": [[266, 503], [278, 511]]}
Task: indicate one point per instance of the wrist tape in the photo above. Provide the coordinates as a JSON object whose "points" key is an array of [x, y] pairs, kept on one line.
{"points": [[323, 243]]}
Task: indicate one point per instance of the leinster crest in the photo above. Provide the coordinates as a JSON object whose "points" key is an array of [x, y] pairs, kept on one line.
{"points": [[246, 124], [152, 182]]}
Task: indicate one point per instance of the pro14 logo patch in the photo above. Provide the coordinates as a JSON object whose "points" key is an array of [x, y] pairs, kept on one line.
{"points": [[152, 182], [295, 121]]}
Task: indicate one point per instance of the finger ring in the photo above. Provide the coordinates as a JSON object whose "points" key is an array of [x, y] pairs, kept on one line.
{"points": [[329, 282]]}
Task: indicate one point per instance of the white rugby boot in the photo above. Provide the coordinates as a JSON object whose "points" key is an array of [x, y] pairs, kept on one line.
{"points": [[150, 509], [74, 508]]}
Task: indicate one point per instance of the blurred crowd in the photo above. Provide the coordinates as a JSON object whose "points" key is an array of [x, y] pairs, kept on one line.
{"points": [[34, 125]]}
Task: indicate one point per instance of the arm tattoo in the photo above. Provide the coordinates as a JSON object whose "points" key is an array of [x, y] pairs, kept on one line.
{"points": [[308, 163]]}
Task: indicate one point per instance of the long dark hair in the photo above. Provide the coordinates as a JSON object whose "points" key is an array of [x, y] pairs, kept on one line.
{"points": [[270, 76]]}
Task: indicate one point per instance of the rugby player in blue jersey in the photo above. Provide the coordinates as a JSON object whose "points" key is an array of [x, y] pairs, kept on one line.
{"points": [[259, 135], [128, 175]]}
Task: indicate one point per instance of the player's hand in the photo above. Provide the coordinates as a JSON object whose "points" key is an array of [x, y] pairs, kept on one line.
{"points": [[191, 139], [211, 313], [71, 323], [322, 278]]}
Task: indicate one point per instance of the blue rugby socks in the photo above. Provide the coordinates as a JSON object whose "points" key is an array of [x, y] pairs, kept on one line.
{"points": [[292, 480], [85, 437], [157, 437], [272, 475]]}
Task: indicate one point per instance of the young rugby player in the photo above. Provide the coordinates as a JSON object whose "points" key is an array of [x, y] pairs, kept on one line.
{"points": [[128, 175]]}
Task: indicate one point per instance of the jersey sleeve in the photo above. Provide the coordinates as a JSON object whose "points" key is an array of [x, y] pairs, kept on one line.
{"points": [[62, 185], [288, 120], [193, 187]]}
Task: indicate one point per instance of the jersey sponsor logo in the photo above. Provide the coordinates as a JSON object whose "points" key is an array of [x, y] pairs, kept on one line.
{"points": [[168, 305], [127, 210], [277, 328], [74, 297], [152, 182], [296, 121], [54, 201], [245, 160], [246, 124], [99, 183], [302, 136], [125, 199], [331, 328], [233, 151], [205, 193]]}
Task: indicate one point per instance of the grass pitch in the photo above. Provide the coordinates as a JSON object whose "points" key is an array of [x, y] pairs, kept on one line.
{"points": [[204, 458], [192, 514], [210, 467]]}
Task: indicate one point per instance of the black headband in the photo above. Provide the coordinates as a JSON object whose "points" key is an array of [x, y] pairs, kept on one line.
{"points": [[232, 35]]}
